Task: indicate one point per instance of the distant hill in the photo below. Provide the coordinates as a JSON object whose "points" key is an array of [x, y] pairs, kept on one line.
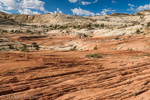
{"points": [[49, 18], [44, 18]]}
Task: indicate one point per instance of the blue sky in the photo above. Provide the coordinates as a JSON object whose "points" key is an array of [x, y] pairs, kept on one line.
{"points": [[76, 7]]}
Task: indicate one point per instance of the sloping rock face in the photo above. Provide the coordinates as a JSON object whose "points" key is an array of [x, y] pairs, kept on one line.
{"points": [[6, 45], [121, 20], [4, 20], [145, 12], [66, 76]]}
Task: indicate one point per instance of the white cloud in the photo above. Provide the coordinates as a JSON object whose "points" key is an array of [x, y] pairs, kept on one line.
{"points": [[58, 11], [82, 2], [73, 1], [114, 1], [131, 7], [1, 7], [145, 7], [95, 1], [79, 11], [140, 8], [23, 6], [98, 14], [28, 11], [85, 3], [33, 4], [11, 4], [105, 11]]}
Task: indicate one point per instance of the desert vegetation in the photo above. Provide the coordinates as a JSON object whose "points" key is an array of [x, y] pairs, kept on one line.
{"points": [[93, 56]]}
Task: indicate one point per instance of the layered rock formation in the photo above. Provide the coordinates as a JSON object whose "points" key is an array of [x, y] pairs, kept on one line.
{"points": [[47, 19]]}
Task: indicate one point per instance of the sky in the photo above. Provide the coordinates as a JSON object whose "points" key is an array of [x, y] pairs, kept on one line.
{"points": [[74, 7]]}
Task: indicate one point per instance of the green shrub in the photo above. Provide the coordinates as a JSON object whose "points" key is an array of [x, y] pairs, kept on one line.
{"points": [[138, 31], [10, 46], [4, 31], [102, 25], [28, 31], [25, 49], [96, 25], [84, 35], [12, 31], [148, 24], [89, 26], [130, 49], [93, 56], [95, 48], [74, 48], [34, 44], [117, 38], [129, 36]]}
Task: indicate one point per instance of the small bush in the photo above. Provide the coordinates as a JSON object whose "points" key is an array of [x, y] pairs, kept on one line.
{"points": [[34, 44], [25, 49], [28, 31], [148, 24], [12, 31], [95, 48], [74, 48], [4, 31], [117, 38], [84, 35], [88, 26], [10, 46], [130, 49], [129, 36], [96, 25], [93, 56], [102, 25], [138, 31]]}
